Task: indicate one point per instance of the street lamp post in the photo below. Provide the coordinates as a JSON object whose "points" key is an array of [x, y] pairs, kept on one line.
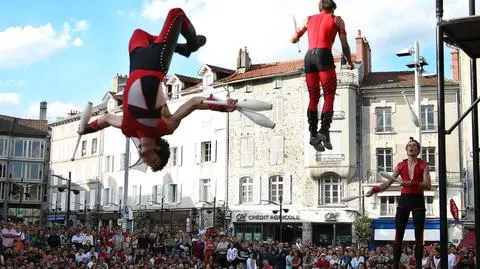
{"points": [[214, 204], [69, 189], [161, 211], [280, 204], [418, 64]]}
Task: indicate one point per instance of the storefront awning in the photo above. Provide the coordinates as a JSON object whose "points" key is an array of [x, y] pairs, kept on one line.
{"points": [[385, 230], [389, 235]]}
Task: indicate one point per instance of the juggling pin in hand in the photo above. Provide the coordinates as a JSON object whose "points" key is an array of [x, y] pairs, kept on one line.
{"points": [[251, 104], [86, 115], [351, 198]]}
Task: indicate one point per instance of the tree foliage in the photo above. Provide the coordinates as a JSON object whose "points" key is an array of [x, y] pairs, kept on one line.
{"points": [[363, 228], [141, 220]]}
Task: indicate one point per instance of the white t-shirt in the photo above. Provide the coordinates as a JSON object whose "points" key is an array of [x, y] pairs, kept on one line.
{"points": [[452, 260]]}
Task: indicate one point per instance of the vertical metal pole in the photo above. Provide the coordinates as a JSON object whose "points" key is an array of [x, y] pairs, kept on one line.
{"points": [[125, 182], [442, 162], [281, 209], [417, 92], [55, 217], [475, 142], [69, 189], [161, 215], [21, 196], [171, 222], [214, 209]]}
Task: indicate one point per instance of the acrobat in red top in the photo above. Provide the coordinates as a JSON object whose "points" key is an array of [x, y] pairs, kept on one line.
{"points": [[402, 168]]}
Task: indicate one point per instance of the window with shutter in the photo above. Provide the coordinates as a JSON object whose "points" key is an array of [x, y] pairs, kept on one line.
{"points": [[246, 151], [276, 150]]}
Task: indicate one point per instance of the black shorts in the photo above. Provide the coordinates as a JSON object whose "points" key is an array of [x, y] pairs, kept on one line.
{"points": [[412, 201], [317, 60]]}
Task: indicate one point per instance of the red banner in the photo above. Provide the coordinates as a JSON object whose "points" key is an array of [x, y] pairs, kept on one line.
{"points": [[454, 209]]}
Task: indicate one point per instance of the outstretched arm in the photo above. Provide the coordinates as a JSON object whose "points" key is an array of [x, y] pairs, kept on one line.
{"points": [[299, 32], [385, 185], [101, 123], [342, 34], [194, 103]]}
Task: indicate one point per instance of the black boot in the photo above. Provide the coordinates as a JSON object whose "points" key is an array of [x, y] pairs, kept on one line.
{"points": [[324, 133], [194, 41], [312, 117], [185, 49], [418, 257], [397, 253]]}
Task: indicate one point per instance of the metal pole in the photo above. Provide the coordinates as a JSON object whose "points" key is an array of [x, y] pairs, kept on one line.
{"points": [[214, 209], [161, 215], [55, 216], [125, 181], [281, 209], [417, 92], [21, 195], [171, 222], [442, 161], [475, 142], [68, 197]]}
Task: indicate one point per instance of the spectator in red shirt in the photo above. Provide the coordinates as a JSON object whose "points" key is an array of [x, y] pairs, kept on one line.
{"points": [[322, 263]]}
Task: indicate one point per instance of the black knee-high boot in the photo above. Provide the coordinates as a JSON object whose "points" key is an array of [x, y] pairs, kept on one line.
{"points": [[397, 253], [418, 257], [194, 41], [324, 133], [312, 117]]}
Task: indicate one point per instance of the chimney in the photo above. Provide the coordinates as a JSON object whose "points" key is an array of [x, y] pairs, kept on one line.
{"points": [[455, 65], [119, 82], [363, 52], [43, 110], [243, 60]]}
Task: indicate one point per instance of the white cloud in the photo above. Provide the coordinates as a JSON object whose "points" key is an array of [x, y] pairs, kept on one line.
{"points": [[81, 26], [129, 14], [77, 42], [54, 109], [26, 45], [9, 98], [265, 26], [12, 83]]}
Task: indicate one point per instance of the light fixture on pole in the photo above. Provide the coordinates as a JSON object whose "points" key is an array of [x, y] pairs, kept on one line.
{"points": [[418, 64], [281, 211]]}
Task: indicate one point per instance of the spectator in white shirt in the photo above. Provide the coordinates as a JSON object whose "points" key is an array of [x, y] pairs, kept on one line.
{"points": [[452, 258], [232, 254], [357, 260]]}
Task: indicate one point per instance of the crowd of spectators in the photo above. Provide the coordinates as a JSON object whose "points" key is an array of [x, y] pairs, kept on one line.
{"points": [[26, 246]]}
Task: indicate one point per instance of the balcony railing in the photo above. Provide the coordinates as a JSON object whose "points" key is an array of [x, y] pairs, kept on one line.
{"points": [[452, 177], [384, 130], [325, 157], [346, 78], [339, 115]]}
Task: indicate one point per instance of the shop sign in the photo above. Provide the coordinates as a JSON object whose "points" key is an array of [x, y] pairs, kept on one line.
{"points": [[245, 217]]}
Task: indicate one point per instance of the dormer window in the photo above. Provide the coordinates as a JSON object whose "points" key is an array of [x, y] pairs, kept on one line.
{"points": [[176, 91]]}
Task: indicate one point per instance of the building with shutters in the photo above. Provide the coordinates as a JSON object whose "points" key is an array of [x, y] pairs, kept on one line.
{"points": [[272, 167], [24, 165], [386, 128]]}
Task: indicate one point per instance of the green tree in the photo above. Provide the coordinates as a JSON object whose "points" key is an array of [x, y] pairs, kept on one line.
{"points": [[141, 220], [219, 222], [93, 217], [363, 228]]}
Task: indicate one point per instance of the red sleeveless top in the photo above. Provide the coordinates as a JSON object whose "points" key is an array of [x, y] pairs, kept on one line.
{"points": [[322, 30], [402, 168]]}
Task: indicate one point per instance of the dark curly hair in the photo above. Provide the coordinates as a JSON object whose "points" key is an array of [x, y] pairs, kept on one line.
{"points": [[163, 151], [415, 141], [327, 5]]}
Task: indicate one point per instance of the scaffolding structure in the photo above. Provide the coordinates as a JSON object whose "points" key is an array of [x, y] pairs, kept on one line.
{"points": [[463, 33]]}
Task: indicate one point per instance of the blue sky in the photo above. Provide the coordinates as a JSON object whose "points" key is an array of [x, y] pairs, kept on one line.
{"points": [[67, 52]]}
